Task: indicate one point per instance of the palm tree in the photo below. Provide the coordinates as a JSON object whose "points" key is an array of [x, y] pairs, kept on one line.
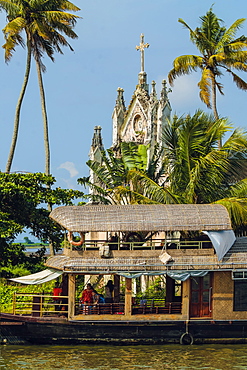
{"points": [[220, 50], [197, 171], [44, 23], [111, 182]]}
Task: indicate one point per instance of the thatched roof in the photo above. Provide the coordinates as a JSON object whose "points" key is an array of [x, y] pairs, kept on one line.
{"points": [[142, 217]]}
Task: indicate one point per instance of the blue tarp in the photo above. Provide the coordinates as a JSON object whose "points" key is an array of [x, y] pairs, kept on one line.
{"points": [[222, 241]]}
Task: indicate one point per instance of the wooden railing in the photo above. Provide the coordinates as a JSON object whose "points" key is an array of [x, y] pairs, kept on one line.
{"points": [[38, 305], [166, 309], [101, 309], [156, 244], [144, 307]]}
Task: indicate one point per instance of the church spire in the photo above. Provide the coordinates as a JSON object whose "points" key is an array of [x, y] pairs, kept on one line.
{"points": [[163, 93], [153, 94], [142, 77], [97, 139]]}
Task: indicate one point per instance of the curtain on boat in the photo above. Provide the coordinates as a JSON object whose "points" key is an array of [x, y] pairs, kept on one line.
{"points": [[176, 275], [222, 241], [38, 278], [184, 275]]}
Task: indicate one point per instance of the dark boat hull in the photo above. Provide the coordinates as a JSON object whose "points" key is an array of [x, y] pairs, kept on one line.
{"points": [[21, 330]]}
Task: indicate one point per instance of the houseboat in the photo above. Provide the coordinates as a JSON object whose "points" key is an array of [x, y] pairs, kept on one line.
{"points": [[192, 247]]}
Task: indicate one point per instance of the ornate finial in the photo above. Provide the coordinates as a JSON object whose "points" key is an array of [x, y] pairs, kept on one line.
{"points": [[164, 90], [141, 47], [153, 95], [120, 98], [97, 138]]}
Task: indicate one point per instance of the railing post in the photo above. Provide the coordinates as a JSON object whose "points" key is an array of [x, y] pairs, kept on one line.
{"points": [[41, 306], [14, 303]]}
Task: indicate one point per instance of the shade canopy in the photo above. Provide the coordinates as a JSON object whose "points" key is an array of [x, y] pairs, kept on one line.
{"points": [[142, 217], [38, 278]]}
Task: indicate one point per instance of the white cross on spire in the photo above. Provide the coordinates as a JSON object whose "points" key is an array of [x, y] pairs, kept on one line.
{"points": [[141, 47]]}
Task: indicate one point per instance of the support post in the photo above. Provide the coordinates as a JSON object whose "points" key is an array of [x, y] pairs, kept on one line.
{"points": [[116, 288], [71, 297], [186, 299], [128, 297]]}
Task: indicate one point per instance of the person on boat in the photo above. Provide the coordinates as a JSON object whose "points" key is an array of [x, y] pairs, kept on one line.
{"points": [[109, 292], [56, 293], [64, 294], [87, 298]]}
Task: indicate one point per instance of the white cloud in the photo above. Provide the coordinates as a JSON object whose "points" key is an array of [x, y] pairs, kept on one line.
{"points": [[69, 166]]}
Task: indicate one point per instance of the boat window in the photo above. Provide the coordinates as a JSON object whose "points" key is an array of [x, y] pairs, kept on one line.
{"points": [[240, 274], [240, 296]]}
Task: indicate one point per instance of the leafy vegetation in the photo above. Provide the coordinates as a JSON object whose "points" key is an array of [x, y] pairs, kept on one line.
{"points": [[7, 291], [220, 51], [193, 169], [110, 181], [22, 199]]}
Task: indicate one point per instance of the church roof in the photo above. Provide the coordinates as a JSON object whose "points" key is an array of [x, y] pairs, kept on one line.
{"points": [[142, 217]]}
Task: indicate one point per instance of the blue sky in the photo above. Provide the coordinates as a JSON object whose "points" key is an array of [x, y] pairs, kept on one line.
{"points": [[81, 85]]}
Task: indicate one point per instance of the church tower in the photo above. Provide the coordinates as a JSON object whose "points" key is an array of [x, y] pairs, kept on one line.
{"points": [[142, 122]]}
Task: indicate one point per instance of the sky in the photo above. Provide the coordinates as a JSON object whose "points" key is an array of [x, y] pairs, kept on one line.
{"points": [[81, 86]]}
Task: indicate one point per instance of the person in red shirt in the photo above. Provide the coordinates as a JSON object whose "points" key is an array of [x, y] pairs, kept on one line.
{"points": [[56, 299], [87, 298]]}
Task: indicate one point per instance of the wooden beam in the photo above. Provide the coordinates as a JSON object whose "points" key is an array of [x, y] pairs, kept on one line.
{"points": [[128, 297], [71, 299]]}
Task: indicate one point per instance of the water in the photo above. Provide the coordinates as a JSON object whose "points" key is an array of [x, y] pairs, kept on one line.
{"points": [[172, 357]]}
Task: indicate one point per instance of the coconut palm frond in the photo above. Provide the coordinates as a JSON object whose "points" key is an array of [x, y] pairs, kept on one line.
{"points": [[230, 33], [205, 86], [237, 208], [183, 65]]}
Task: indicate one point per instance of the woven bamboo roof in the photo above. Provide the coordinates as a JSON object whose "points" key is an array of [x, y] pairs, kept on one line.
{"points": [[142, 217]]}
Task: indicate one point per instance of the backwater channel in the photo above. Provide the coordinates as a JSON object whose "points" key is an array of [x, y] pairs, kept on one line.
{"points": [[98, 357]]}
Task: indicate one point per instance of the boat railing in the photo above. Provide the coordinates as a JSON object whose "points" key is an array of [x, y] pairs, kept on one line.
{"points": [[156, 244], [143, 306], [38, 305], [156, 306], [100, 309]]}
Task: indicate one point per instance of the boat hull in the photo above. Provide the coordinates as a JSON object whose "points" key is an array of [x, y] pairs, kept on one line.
{"points": [[21, 330]]}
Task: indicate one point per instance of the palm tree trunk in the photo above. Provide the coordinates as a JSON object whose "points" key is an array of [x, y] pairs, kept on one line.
{"points": [[216, 116], [46, 136], [45, 119], [18, 109]]}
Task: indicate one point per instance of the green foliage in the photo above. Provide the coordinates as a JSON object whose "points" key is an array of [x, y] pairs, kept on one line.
{"points": [[154, 290], [7, 290], [22, 200], [112, 183], [220, 51], [27, 240], [197, 171]]}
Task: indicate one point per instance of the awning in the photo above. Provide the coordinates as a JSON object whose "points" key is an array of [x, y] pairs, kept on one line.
{"points": [[222, 241], [38, 278]]}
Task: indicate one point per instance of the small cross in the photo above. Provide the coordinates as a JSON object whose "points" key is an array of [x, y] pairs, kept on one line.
{"points": [[141, 47]]}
